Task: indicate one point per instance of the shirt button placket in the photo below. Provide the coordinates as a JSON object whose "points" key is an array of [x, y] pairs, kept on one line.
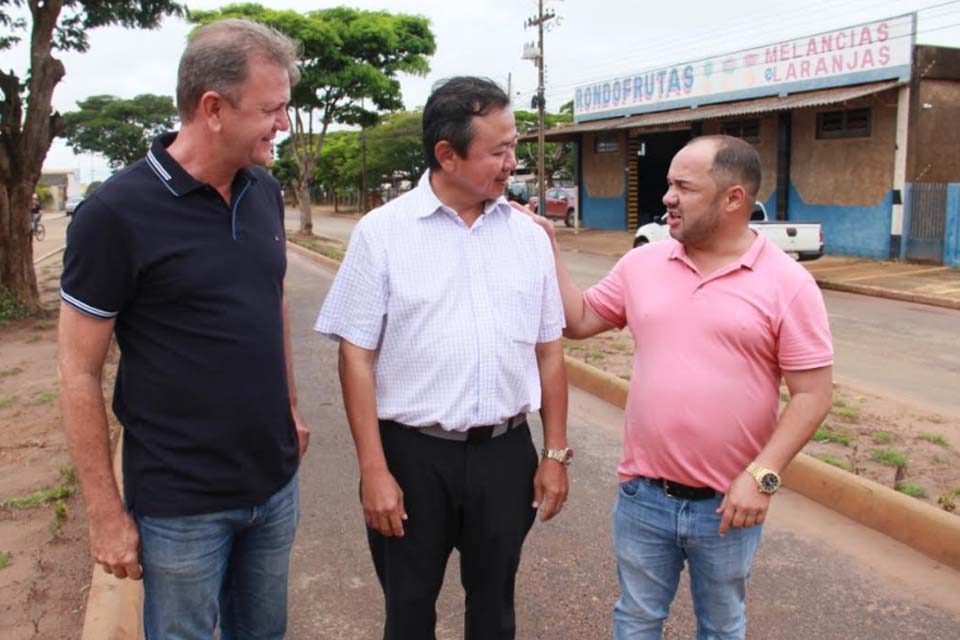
{"points": [[483, 322]]}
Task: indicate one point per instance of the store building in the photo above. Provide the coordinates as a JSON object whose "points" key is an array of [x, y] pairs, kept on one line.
{"points": [[856, 128]]}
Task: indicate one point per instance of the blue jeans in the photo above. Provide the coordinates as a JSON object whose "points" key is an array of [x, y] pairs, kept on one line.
{"points": [[653, 534], [228, 567]]}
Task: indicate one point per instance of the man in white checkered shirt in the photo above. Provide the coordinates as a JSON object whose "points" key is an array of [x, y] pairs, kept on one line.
{"points": [[449, 319]]}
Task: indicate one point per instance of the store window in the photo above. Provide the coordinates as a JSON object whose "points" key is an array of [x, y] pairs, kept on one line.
{"points": [[749, 130], [606, 143], [849, 123]]}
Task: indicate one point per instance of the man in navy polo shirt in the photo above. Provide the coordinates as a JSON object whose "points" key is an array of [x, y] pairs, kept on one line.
{"points": [[182, 256]]}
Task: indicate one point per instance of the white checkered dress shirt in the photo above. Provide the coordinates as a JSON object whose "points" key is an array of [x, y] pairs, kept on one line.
{"points": [[455, 312]]}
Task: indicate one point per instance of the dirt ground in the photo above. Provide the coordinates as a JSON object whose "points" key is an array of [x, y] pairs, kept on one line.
{"points": [[898, 445], [43, 536]]}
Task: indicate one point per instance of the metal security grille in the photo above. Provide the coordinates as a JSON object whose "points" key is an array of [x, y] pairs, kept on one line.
{"points": [[927, 214]]}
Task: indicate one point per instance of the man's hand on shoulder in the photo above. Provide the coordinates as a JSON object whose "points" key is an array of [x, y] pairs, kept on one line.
{"points": [[115, 545], [744, 505]]}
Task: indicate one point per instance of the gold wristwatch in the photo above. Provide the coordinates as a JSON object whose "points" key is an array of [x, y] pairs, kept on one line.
{"points": [[563, 456], [768, 480]]}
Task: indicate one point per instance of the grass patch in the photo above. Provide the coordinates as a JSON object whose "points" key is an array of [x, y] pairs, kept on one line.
{"points": [[324, 246], [59, 517], [824, 434], [934, 419], [912, 490], [882, 437], [836, 462], [7, 402], [597, 355], [784, 396], [46, 397], [10, 307], [938, 459], [57, 492], [935, 438], [948, 502], [842, 409], [4, 559], [8, 373], [889, 458]]}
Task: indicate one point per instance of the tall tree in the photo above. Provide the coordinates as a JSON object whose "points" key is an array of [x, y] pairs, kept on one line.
{"points": [[118, 129], [395, 148], [350, 64], [27, 122], [557, 156]]}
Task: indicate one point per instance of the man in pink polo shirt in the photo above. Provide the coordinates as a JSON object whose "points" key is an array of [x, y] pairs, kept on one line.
{"points": [[718, 315]]}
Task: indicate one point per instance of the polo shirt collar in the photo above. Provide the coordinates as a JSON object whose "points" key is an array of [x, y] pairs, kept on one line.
{"points": [[430, 203], [747, 260], [173, 176]]}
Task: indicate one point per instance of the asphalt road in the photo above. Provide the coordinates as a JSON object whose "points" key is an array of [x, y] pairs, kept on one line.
{"points": [[818, 575], [897, 349]]}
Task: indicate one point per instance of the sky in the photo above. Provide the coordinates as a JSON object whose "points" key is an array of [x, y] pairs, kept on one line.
{"points": [[588, 41]]}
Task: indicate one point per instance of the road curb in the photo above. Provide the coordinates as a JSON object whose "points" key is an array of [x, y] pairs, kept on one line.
{"points": [[313, 255], [892, 294], [114, 607], [51, 253], [927, 529]]}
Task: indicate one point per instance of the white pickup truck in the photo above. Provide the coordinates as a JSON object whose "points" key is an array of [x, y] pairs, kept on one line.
{"points": [[802, 241]]}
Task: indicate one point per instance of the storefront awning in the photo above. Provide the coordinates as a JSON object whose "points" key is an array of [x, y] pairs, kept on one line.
{"points": [[712, 111]]}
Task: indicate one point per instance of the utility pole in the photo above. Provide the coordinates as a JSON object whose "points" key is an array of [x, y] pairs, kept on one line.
{"points": [[539, 101]]}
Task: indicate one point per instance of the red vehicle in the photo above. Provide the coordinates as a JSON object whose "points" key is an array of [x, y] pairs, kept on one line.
{"points": [[561, 202]]}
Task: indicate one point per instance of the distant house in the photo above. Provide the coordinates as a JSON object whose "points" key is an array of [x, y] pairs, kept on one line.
{"points": [[63, 183]]}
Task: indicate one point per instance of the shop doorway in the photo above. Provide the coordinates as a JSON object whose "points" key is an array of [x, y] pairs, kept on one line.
{"points": [[654, 153]]}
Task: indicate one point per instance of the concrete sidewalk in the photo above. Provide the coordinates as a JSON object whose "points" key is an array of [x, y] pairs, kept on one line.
{"points": [[911, 282]]}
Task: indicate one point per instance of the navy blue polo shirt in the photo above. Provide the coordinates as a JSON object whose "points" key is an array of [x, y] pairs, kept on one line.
{"points": [[196, 288]]}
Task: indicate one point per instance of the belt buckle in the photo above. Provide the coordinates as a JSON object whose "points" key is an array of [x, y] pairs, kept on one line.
{"points": [[666, 488]]}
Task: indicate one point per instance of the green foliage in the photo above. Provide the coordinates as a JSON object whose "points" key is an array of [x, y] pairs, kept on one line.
{"points": [[46, 397], [844, 410], [558, 157], [28, 123], [120, 130], [93, 186], [10, 307], [45, 195], [883, 437], [350, 66], [59, 517], [935, 438], [836, 462], [889, 458], [7, 402], [948, 502], [825, 434], [912, 490], [57, 492], [4, 559]]}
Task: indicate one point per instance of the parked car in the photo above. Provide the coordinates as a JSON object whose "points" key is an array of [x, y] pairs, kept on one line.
{"points": [[517, 191], [801, 241], [561, 202], [72, 203]]}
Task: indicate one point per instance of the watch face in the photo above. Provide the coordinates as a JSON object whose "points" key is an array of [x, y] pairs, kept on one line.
{"points": [[567, 456], [769, 482]]}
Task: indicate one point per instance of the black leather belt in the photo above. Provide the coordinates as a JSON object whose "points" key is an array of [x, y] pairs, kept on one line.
{"points": [[677, 490], [473, 434]]}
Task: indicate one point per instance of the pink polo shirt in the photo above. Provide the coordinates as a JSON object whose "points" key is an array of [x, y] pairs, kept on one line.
{"points": [[708, 356]]}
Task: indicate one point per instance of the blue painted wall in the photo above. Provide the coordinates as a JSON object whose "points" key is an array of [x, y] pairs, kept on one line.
{"points": [[852, 231], [771, 206], [603, 213], [951, 241]]}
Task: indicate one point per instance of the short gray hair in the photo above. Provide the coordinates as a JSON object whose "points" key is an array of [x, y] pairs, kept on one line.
{"points": [[217, 57]]}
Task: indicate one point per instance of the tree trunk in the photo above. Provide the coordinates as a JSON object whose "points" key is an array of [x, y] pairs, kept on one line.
{"points": [[16, 246], [306, 212]]}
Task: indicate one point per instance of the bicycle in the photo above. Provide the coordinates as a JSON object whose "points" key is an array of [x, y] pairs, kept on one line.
{"points": [[38, 230]]}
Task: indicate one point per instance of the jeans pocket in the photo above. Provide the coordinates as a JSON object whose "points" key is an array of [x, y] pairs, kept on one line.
{"points": [[630, 488]]}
